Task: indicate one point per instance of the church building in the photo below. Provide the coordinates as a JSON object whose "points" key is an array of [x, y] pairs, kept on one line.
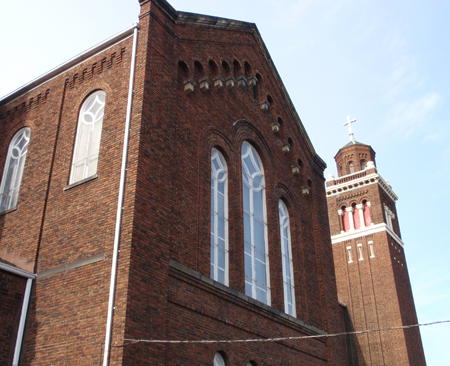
{"points": [[162, 204]]}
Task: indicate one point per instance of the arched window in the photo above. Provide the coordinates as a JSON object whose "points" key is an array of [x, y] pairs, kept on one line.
{"points": [[13, 170], [363, 164], [89, 133], [351, 168], [219, 217], [286, 254], [257, 283], [218, 360]]}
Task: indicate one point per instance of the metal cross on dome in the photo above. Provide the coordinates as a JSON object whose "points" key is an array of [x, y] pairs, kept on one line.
{"points": [[349, 123]]}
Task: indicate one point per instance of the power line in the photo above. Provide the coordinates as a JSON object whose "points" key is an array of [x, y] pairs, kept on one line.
{"points": [[275, 339]]}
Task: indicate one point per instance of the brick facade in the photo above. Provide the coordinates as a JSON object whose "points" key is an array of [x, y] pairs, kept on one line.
{"points": [[192, 92], [12, 288]]}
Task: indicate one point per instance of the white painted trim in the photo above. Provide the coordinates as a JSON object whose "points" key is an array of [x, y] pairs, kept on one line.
{"points": [[357, 183], [350, 218], [23, 318], [349, 254], [360, 253], [120, 208], [371, 251], [17, 271], [26, 300], [366, 231]]}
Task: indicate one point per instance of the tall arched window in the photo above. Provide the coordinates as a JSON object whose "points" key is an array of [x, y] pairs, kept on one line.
{"points": [[13, 170], [286, 255], [89, 133], [219, 217], [257, 281], [218, 360]]}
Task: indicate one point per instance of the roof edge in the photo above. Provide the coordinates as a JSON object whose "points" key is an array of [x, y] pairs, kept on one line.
{"points": [[16, 270], [213, 21], [316, 158], [180, 16], [68, 64]]}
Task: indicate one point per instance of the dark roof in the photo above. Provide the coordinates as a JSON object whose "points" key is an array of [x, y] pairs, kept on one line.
{"points": [[351, 144]]}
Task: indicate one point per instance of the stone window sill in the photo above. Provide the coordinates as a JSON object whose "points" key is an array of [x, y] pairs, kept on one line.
{"points": [[80, 182], [8, 211]]}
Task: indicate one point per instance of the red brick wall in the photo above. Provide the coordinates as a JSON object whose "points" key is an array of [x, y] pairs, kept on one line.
{"points": [[172, 214], [12, 288], [53, 226], [354, 153], [166, 209]]}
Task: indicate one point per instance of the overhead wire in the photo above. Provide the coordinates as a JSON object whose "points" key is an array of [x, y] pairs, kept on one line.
{"points": [[128, 341]]}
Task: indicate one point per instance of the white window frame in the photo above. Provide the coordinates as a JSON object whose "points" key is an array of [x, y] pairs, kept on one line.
{"points": [[216, 171], [288, 273], [86, 159], [360, 252], [372, 253], [13, 169], [248, 151], [349, 253]]}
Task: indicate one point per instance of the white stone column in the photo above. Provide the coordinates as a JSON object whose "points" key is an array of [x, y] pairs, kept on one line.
{"points": [[360, 208], [350, 218], [368, 204]]}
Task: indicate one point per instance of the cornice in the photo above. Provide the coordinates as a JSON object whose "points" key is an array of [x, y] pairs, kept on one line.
{"points": [[364, 232], [360, 182]]}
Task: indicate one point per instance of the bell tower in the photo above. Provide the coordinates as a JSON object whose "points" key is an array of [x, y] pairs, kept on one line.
{"points": [[371, 273]]}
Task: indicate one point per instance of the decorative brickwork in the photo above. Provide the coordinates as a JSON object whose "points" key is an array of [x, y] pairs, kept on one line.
{"points": [[24, 107]]}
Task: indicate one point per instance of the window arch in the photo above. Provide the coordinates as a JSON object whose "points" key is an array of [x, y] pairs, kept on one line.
{"points": [[13, 170], [218, 360], [351, 168], [356, 217], [286, 255], [89, 132], [219, 217], [257, 280]]}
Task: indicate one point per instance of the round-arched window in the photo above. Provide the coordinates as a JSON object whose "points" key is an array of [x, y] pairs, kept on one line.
{"points": [[218, 360]]}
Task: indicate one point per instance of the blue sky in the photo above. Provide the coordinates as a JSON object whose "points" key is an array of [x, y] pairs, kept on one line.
{"points": [[385, 63]]}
